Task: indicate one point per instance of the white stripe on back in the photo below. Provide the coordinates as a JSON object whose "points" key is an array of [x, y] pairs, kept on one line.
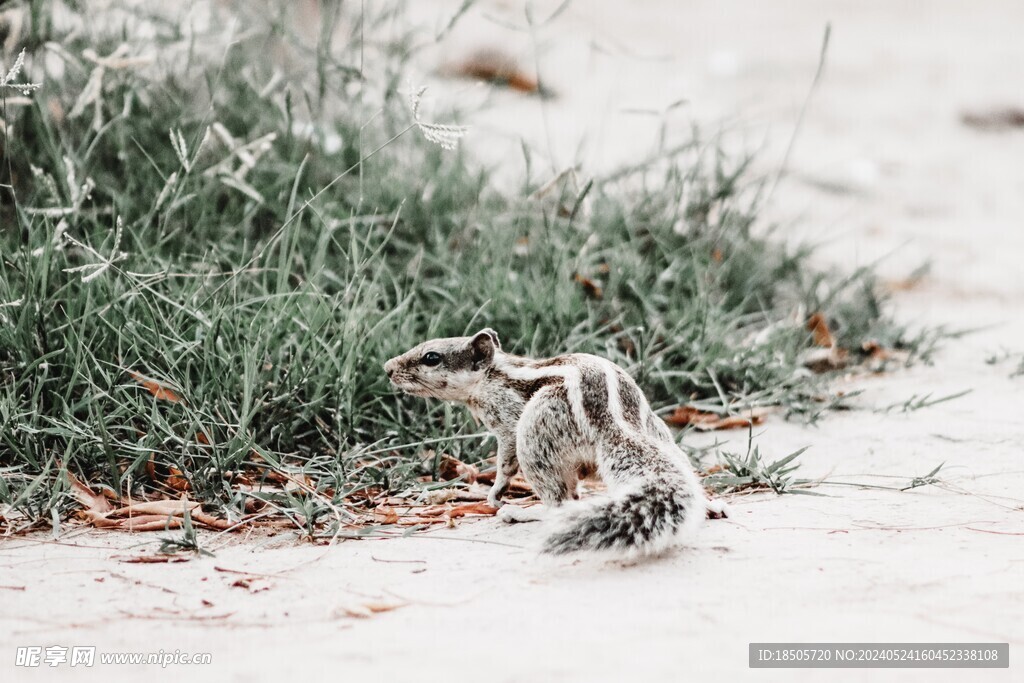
{"points": [[611, 371], [570, 375]]}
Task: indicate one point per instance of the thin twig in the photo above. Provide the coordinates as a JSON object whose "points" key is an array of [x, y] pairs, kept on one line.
{"points": [[803, 111]]}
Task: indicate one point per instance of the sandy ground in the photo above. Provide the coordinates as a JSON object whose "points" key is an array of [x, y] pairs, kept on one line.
{"points": [[882, 163]]}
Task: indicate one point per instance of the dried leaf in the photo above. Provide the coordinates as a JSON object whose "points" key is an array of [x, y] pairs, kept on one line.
{"points": [[167, 508], [517, 485], [822, 335], [685, 415], [449, 468], [157, 389], [93, 503], [385, 515], [200, 517], [497, 68], [590, 287], [154, 515], [150, 523], [452, 511], [177, 481], [472, 509]]}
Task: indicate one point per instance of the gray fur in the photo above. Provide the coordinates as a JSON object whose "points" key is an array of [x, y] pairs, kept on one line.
{"points": [[552, 416]]}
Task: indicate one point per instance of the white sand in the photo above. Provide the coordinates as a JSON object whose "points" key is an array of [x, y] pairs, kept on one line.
{"points": [[938, 563]]}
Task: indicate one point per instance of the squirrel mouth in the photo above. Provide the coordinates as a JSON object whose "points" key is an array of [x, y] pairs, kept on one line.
{"points": [[410, 387]]}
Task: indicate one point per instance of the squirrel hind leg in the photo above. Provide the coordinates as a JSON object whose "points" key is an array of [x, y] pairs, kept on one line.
{"points": [[548, 446]]}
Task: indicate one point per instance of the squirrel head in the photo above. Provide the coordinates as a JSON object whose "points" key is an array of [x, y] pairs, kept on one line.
{"points": [[448, 368]]}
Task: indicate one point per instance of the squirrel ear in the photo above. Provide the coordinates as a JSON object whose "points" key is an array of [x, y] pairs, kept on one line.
{"points": [[483, 346], [492, 334]]}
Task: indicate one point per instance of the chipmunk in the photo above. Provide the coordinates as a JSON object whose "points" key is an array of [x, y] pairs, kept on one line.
{"points": [[554, 415]]}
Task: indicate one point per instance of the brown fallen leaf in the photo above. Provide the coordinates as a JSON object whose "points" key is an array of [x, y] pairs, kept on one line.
{"points": [[144, 523], [497, 68], [457, 510], [292, 482], [590, 287], [449, 468], [153, 515], [175, 478], [166, 508], [686, 415], [200, 517], [177, 481], [822, 335], [385, 514], [517, 485], [472, 509], [93, 503], [157, 389]]}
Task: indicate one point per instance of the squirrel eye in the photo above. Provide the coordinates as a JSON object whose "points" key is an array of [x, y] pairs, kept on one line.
{"points": [[431, 358]]}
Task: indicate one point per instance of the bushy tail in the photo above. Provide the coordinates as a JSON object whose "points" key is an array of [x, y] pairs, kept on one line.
{"points": [[642, 519]]}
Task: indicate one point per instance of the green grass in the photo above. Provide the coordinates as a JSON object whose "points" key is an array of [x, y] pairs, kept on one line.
{"points": [[750, 472], [1004, 356], [267, 301]]}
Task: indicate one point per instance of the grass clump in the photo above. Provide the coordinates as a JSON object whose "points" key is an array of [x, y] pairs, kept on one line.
{"points": [[750, 472], [213, 237]]}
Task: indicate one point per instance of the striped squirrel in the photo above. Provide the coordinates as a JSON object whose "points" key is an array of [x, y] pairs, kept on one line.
{"points": [[551, 417]]}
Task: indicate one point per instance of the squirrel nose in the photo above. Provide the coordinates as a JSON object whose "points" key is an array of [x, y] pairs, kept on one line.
{"points": [[389, 368]]}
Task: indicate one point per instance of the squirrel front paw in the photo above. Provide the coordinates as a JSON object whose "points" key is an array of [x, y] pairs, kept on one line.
{"points": [[494, 496]]}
